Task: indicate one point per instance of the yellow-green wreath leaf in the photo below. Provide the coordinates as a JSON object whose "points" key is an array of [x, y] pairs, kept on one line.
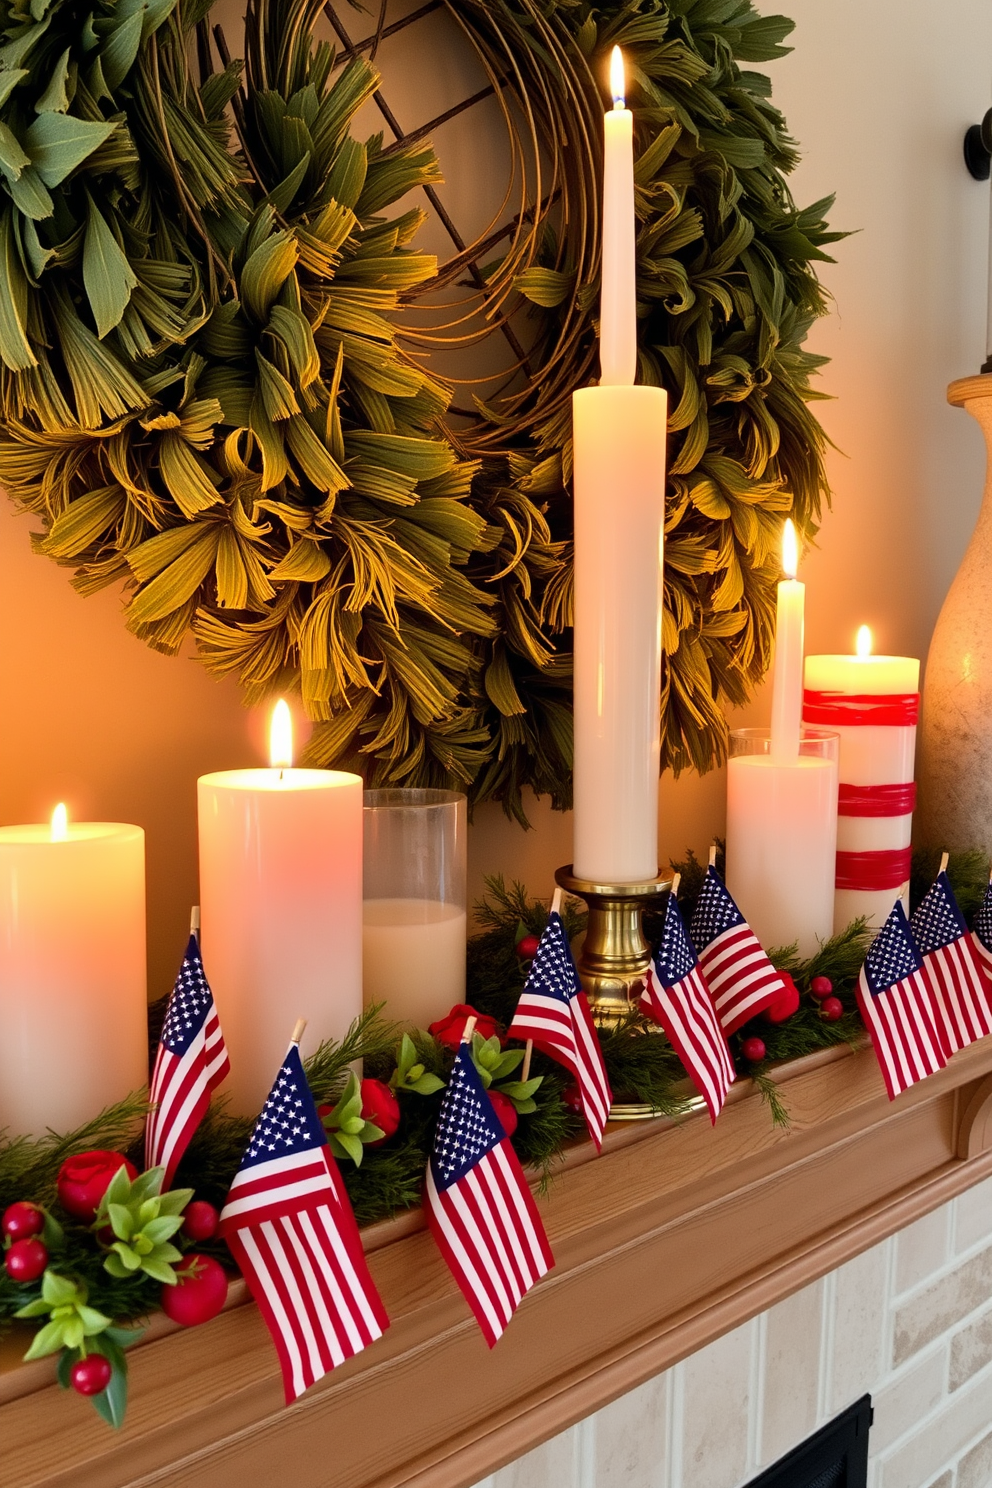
{"points": [[266, 272], [192, 483], [545, 287], [305, 563], [180, 580]]}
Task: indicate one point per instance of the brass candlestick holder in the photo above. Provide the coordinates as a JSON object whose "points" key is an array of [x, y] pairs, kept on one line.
{"points": [[613, 958]]}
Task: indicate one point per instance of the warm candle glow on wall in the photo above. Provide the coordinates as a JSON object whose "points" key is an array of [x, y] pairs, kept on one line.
{"points": [[618, 82], [60, 823], [281, 737], [863, 643]]}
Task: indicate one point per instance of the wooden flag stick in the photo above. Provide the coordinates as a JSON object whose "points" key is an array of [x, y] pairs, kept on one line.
{"points": [[674, 891], [528, 1051], [713, 856], [556, 902], [468, 1030], [194, 920], [301, 1024], [945, 858]]}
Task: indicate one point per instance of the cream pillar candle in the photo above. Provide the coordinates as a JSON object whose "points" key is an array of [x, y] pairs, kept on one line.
{"points": [[782, 837], [619, 504], [73, 1011], [281, 909], [416, 923], [787, 677], [618, 300], [873, 704], [414, 958], [619, 515]]}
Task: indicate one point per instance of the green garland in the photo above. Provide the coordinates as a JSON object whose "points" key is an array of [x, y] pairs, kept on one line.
{"points": [[87, 1289], [207, 391]]}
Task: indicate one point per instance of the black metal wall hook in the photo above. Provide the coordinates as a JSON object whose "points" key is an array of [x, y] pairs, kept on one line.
{"points": [[978, 148]]}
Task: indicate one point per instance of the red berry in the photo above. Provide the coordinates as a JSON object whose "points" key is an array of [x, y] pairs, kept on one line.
{"points": [[200, 1220], [21, 1221], [831, 1008], [200, 1292], [26, 1260], [821, 987], [380, 1106], [527, 947], [786, 1003], [506, 1111], [753, 1050], [572, 1099], [91, 1375]]}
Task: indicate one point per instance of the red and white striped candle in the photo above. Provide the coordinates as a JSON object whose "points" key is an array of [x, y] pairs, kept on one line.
{"points": [[873, 703]]}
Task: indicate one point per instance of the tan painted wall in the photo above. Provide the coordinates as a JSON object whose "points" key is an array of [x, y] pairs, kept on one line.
{"points": [[879, 93]]}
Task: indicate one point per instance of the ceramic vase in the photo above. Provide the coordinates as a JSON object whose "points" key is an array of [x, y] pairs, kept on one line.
{"points": [[955, 744]]}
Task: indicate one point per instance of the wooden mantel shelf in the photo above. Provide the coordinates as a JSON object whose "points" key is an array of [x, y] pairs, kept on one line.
{"points": [[670, 1238]]}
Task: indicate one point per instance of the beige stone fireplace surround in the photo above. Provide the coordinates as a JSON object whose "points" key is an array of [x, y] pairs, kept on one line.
{"points": [[717, 1293]]}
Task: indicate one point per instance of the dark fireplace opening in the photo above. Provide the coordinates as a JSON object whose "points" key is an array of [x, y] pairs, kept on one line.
{"points": [[835, 1457]]}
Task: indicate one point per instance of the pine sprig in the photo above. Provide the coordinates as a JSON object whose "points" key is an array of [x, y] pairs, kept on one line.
{"points": [[30, 1167]]}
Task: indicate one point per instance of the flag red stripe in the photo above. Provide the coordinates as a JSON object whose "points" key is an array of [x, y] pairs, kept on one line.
{"points": [[180, 1092], [903, 1034], [464, 1264], [739, 975], [489, 1231], [960, 999], [481, 1193], [567, 1033], [687, 1014]]}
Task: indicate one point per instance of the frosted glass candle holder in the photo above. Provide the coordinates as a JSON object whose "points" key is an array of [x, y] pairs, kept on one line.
{"points": [[782, 836], [414, 913]]}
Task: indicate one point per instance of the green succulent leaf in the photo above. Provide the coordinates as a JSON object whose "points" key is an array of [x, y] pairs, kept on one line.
{"points": [[56, 144], [107, 275]]}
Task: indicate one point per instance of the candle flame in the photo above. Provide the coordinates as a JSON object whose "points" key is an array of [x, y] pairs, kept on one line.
{"points": [[60, 823], [281, 736], [790, 549], [618, 82], [863, 644]]}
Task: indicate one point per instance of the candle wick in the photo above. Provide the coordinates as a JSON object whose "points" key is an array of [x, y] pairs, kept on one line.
{"points": [[281, 772]]}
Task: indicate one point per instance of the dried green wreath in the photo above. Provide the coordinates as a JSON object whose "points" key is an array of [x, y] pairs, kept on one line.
{"points": [[211, 387]]}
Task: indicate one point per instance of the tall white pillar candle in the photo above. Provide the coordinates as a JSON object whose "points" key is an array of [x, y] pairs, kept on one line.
{"points": [[787, 677], [618, 300], [872, 702], [281, 909], [619, 499], [619, 516], [73, 1007]]}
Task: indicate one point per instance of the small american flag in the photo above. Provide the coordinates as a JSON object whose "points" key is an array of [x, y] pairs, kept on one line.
{"points": [[895, 1002], [290, 1227], [678, 998], [981, 935], [738, 973], [190, 1063], [554, 1012], [960, 982], [478, 1205]]}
